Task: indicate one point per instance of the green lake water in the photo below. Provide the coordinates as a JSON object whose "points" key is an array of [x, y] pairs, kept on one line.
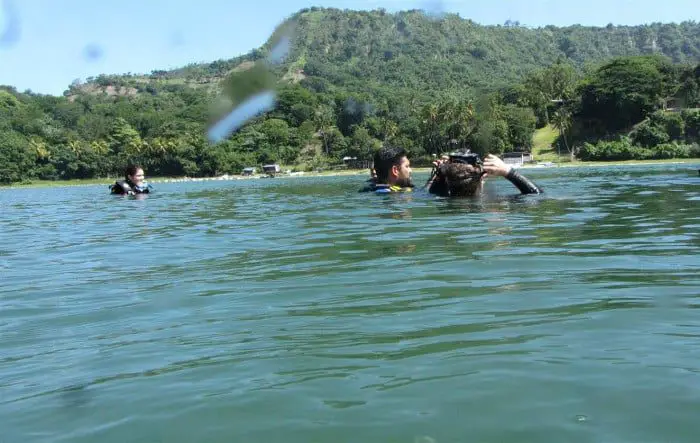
{"points": [[298, 310]]}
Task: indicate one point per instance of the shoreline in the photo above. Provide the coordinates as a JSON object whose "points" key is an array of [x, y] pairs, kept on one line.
{"points": [[228, 177]]}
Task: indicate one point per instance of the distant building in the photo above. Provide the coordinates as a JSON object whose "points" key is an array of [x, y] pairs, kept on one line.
{"points": [[516, 158], [249, 171], [673, 104], [271, 169], [354, 163]]}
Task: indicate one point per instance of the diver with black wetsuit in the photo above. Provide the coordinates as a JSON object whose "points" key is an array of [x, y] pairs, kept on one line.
{"points": [[391, 172], [463, 174], [133, 183]]}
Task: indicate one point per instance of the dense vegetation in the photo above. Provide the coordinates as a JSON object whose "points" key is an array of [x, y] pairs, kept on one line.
{"points": [[354, 80]]}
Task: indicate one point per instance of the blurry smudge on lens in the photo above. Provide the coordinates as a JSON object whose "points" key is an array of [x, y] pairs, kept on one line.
{"points": [[177, 39], [9, 24], [250, 108], [434, 9], [249, 90], [280, 42], [280, 51], [92, 52]]}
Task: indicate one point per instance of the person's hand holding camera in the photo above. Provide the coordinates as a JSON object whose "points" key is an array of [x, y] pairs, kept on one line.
{"points": [[495, 166]]}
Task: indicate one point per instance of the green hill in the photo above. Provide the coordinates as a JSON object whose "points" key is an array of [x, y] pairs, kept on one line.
{"points": [[410, 50], [354, 80]]}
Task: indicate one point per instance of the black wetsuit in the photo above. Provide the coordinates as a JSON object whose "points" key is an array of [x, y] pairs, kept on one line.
{"points": [[525, 185], [122, 187], [380, 188]]}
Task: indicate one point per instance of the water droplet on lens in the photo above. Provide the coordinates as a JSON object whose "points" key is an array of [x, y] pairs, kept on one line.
{"points": [[250, 108], [177, 39], [92, 52], [434, 9], [280, 51], [9, 24]]}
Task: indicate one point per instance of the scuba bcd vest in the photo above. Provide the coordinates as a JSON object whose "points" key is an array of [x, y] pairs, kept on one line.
{"points": [[388, 189], [380, 188], [126, 187]]}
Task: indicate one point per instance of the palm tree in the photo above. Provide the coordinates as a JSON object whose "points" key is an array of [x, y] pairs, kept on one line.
{"points": [[389, 128], [39, 146], [430, 117], [562, 121], [323, 119], [463, 122], [100, 147], [75, 147]]}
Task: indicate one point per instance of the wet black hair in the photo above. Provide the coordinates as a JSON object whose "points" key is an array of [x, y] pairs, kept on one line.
{"points": [[385, 159], [457, 179], [131, 170]]}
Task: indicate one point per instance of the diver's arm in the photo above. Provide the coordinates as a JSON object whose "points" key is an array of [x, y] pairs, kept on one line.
{"points": [[436, 184], [495, 166], [438, 187], [525, 185]]}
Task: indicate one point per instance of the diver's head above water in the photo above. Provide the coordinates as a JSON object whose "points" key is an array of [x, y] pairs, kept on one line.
{"points": [[461, 179], [463, 175], [134, 182], [134, 175], [392, 167]]}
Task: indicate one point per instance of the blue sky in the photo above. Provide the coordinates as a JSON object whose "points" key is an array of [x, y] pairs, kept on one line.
{"points": [[53, 42]]}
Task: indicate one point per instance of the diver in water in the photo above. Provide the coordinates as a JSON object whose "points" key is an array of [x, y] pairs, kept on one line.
{"points": [[391, 172], [134, 182], [463, 174]]}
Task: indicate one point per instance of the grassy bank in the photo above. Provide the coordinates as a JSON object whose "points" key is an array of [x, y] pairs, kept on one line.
{"points": [[543, 148], [57, 183], [73, 182], [576, 163], [155, 180]]}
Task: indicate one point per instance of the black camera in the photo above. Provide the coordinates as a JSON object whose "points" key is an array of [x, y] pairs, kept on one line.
{"points": [[470, 158]]}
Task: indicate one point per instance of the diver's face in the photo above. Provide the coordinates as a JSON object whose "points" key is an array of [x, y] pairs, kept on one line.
{"points": [[137, 178], [402, 172]]}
